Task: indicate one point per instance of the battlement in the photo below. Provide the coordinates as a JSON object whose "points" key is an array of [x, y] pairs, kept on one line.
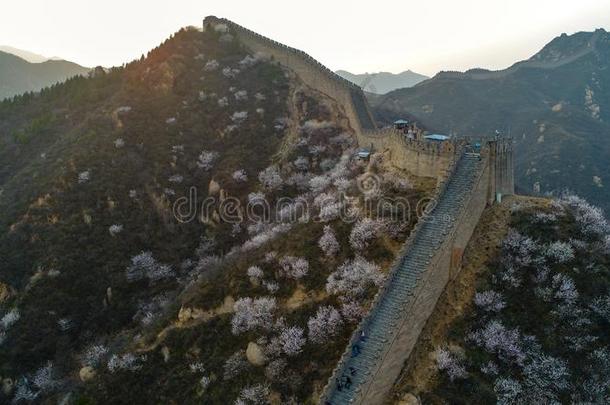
{"points": [[314, 74]]}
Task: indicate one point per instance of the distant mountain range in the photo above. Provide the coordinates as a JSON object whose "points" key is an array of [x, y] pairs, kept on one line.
{"points": [[27, 55], [556, 105], [18, 74], [383, 82]]}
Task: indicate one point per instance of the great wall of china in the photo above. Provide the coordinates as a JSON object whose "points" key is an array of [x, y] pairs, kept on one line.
{"points": [[467, 183]]}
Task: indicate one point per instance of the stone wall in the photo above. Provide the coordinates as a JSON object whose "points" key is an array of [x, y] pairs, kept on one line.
{"points": [[444, 266], [420, 158], [310, 71], [504, 166]]}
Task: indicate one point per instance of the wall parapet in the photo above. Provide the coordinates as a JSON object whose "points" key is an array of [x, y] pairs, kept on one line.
{"points": [[445, 147]]}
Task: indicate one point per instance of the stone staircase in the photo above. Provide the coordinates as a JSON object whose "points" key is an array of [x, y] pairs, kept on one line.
{"points": [[375, 334]]}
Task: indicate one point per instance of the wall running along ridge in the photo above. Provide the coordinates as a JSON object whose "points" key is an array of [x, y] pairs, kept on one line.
{"points": [[309, 70], [421, 158]]}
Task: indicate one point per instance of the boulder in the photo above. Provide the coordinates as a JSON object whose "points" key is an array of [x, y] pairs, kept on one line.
{"points": [[86, 373], [409, 399], [187, 314], [165, 353], [7, 386], [213, 187], [255, 281], [255, 355], [5, 292]]}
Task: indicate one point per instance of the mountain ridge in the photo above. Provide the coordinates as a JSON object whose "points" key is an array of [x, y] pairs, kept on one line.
{"points": [[18, 76], [383, 82]]}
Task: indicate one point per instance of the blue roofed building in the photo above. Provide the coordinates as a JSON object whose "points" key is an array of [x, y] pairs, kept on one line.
{"points": [[437, 137]]}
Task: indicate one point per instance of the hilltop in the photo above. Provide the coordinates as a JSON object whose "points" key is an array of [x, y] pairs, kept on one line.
{"points": [[555, 105]]}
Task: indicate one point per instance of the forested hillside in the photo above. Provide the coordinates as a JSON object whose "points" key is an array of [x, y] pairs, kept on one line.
{"points": [[107, 295]]}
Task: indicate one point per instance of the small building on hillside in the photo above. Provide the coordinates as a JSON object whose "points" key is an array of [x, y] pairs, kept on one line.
{"points": [[363, 154], [401, 124]]}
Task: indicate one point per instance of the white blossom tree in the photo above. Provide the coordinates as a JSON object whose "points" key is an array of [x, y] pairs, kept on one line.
{"points": [[115, 229], [363, 232], [324, 324], [328, 242], [490, 301], [591, 219], [252, 314], [44, 378], [240, 176], [84, 177], [127, 361], [496, 338], [560, 252], [319, 183], [301, 163], [450, 363], [207, 159], [294, 267], [235, 365], [292, 340], [353, 277], [257, 394], [270, 178], [144, 265], [254, 272]]}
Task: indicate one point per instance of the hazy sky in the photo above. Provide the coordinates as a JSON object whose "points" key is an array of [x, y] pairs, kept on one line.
{"points": [[422, 35]]}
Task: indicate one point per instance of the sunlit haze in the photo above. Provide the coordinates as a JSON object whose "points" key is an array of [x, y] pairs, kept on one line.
{"points": [[424, 36]]}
